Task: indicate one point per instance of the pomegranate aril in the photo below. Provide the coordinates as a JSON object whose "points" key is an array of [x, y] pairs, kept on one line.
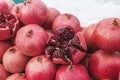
{"points": [[2, 25], [65, 32]]}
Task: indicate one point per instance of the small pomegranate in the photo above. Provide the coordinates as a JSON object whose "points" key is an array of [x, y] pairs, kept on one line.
{"points": [[104, 65], [6, 5], [3, 73], [66, 47], [66, 19], [9, 25], [72, 72], [40, 68], [106, 34], [14, 61], [31, 12], [31, 39], [88, 33], [52, 13], [4, 45], [17, 76]]}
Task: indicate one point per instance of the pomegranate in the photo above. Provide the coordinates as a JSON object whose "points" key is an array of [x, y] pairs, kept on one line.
{"points": [[3, 73], [14, 61], [6, 5], [104, 65], [4, 45], [9, 25], [40, 68], [66, 19], [51, 15], [72, 72], [31, 12], [17, 76], [88, 33], [31, 39], [106, 34], [67, 47]]}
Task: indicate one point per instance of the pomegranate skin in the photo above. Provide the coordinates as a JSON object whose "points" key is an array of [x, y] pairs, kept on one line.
{"points": [[72, 72], [40, 68], [66, 19], [31, 39], [14, 61], [6, 5], [32, 12], [17, 76], [106, 34], [4, 45], [104, 65], [52, 13], [3, 73], [88, 34]]}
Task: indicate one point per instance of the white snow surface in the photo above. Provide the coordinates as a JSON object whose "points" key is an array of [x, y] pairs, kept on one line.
{"points": [[87, 11]]}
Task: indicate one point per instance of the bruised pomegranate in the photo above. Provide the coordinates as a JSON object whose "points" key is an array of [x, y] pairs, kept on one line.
{"points": [[31, 12], [3, 73], [40, 68], [104, 65], [52, 13], [106, 34], [88, 33], [31, 39], [14, 60], [66, 47], [6, 5], [66, 19], [9, 25], [4, 45], [17, 76], [72, 72]]}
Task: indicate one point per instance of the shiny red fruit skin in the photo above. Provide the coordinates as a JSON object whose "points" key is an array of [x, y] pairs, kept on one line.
{"points": [[66, 19], [88, 34], [17, 76], [72, 72], [31, 39], [52, 13], [106, 34], [4, 45], [14, 60], [104, 65], [3, 73], [40, 68], [31, 12]]}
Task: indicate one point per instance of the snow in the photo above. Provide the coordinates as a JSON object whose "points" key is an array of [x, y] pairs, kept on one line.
{"points": [[87, 11]]}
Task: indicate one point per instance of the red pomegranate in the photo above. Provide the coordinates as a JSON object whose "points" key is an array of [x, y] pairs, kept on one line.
{"points": [[66, 19], [104, 65], [64, 49], [31, 12], [72, 72], [14, 61], [9, 24], [40, 68], [106, 34], [4, 45], [3, 73], [17, 76], [52, 13], [31, 39], [6, 5], [88, 33]]}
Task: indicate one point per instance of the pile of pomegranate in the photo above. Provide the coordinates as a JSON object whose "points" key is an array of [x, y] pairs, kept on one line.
{"points": [[38, 42]]}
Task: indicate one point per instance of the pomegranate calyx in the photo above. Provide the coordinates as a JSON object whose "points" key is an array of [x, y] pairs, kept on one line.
{"points": [[68, 16], [115, 23], [29, 33]]}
